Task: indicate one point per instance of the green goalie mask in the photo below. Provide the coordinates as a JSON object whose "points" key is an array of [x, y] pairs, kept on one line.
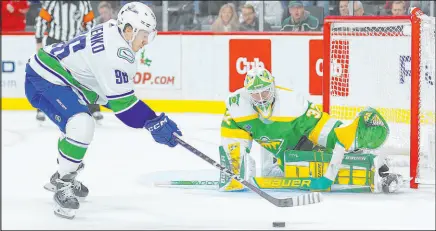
{"points": [[372, 129], [259, 84]]}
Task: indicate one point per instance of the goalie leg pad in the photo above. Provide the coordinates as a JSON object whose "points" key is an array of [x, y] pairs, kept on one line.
{"points": [[354, 169], [241, 164], [269, 164], [73, 145]]}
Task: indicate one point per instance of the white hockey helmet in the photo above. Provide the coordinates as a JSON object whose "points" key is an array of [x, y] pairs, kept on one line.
{"points": [[140, 17]]}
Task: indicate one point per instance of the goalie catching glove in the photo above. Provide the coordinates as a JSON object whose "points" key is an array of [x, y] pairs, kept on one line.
{"points": [[368, 131]]}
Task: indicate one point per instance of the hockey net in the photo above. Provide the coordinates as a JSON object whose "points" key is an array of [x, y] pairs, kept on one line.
{"points": [[387, 63]]}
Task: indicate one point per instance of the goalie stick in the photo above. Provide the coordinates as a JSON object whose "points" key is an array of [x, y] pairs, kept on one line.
{"points": [[308, 198]]}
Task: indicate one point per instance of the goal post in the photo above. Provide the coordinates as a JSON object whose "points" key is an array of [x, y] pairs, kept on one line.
{"points": [[386, 62]]}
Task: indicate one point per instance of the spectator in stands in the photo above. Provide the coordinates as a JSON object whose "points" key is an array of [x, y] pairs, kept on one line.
{"points": [[227, 19], [423, 5], [300, 19], [250, 21], [343, 8], [182, 16], [322, 4], [106, 12], [358, 9], [398, 8], [272, 11], [210, 8], [388, 6], [14, 15]]}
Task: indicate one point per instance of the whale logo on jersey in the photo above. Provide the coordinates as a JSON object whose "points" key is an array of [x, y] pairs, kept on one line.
{"points": [[272, 145], [126, 54]]}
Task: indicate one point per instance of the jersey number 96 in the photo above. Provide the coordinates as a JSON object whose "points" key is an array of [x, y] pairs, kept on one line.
{"points": [[121, 77], [62, 50]]}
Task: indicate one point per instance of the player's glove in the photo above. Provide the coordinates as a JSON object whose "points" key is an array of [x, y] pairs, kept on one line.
{"points": [[162, 129]]}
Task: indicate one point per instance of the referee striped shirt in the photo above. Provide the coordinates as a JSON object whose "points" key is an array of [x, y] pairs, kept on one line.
{"points": [[63, 20]]}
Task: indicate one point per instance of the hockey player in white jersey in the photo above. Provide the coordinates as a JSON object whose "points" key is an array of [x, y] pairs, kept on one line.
{"points": [[95, 67]]}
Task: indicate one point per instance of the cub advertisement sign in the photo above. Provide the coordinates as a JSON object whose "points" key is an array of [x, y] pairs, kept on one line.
{"points": [[244, 55], [315, 66], [339, 54]]}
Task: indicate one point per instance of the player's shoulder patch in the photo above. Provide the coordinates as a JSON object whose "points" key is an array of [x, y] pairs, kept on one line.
{"points": [[239, 104], [126, 54], [235, 98]]}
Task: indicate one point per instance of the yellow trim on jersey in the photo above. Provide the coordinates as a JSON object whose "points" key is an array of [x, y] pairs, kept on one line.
{"points": [[282, 118], [235, 133], [314, 134], [346, 135], [245, 118], [283, 88]]}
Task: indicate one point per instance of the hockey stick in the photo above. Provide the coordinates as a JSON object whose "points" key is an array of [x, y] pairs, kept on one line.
{"points": [[214, 185], [308, 198], [192, 184]]}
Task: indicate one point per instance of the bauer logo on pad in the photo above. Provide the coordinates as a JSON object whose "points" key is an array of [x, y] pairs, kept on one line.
{"points": [[244, 55]]}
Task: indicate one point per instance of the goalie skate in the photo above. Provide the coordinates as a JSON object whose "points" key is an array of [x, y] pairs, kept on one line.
{"points": [[66, 203], [389, 182]]}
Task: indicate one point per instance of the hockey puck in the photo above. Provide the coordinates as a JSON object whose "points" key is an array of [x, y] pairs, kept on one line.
{"points": [[278, 224]]}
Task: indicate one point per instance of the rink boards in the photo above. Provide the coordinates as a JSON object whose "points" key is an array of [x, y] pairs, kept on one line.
{"points": [[195, 71]]}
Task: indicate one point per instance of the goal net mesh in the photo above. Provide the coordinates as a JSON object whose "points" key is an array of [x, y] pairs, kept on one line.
{"points": [[370, 65]]}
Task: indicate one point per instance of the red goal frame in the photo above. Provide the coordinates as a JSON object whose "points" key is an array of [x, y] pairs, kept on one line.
{"points": [[415, 73]]}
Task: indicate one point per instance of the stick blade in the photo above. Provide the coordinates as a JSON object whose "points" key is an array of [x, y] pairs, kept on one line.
{"points": [[287, 202], [304, 199]]}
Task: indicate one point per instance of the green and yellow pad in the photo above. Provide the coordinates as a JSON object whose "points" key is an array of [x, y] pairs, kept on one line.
{"points": [[356, 169]]}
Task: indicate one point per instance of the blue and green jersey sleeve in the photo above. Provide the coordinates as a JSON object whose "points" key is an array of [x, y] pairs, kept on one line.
{"points": [[130, 110]]}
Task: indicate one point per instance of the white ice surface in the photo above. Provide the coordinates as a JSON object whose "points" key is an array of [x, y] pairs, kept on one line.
{"points": [[122, 163]]}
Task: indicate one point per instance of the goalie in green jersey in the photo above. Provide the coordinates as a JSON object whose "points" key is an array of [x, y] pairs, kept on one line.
{"points": [[283, 123]]}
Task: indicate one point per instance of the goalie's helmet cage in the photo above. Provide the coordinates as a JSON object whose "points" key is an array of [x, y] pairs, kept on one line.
{"points": [[388, 63], [140, 17], [259, 83]]}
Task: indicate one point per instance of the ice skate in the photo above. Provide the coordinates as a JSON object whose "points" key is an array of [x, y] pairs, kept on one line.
{"points": [[389, 182], [66, 203], [80, 190], [98, 117], [40, 117]]}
